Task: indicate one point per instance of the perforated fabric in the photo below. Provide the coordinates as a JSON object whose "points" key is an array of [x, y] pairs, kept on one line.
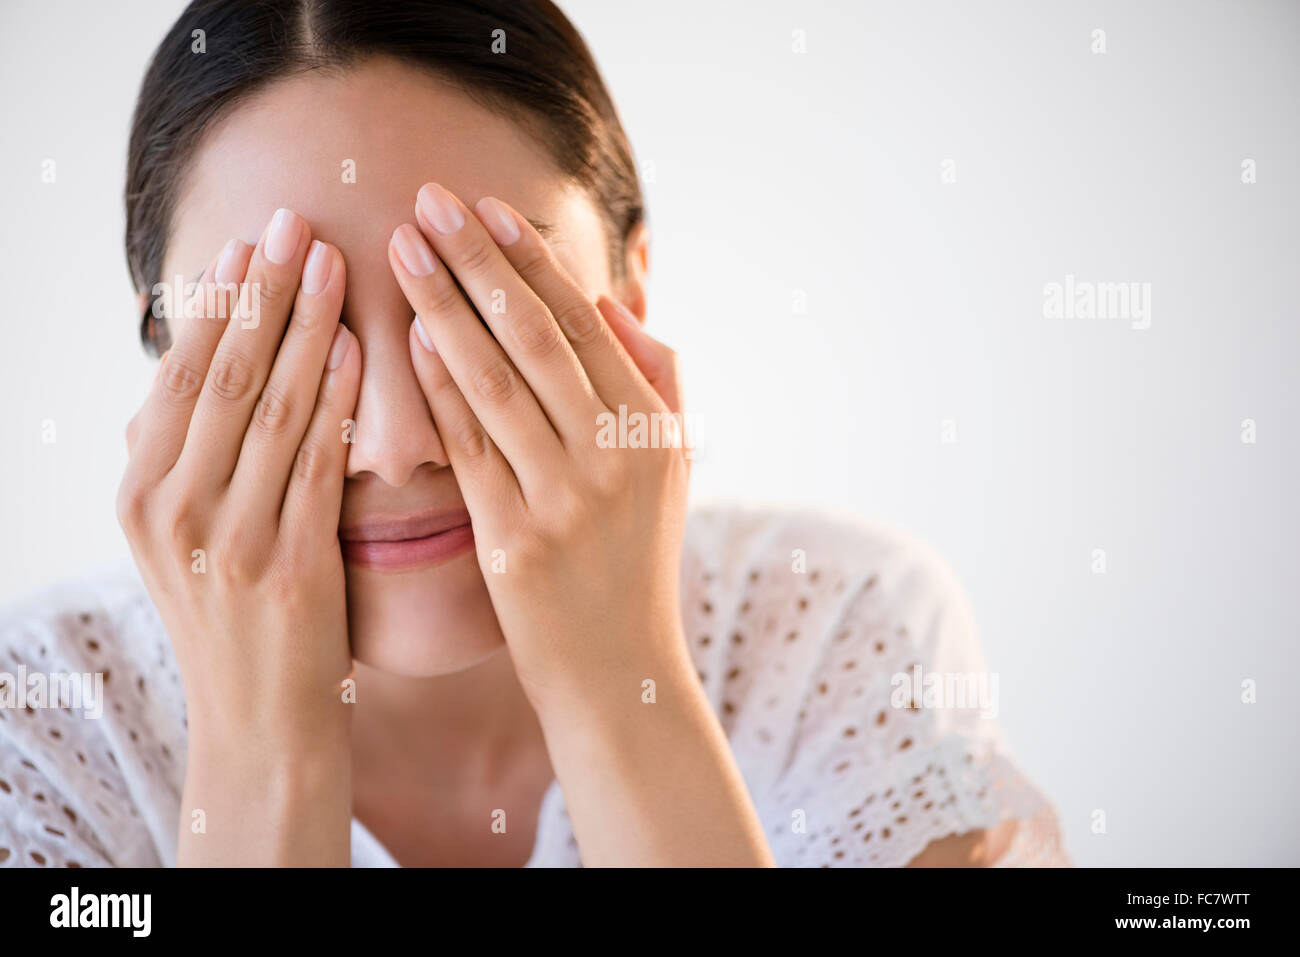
{"points": [[800, 624]]}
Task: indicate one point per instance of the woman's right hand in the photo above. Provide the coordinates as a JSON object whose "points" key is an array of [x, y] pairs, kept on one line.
{"points": [[231, 502]]}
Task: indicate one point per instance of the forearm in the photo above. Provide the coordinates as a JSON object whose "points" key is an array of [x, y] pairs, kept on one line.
{"points": [[247, 804], [652, 784]]}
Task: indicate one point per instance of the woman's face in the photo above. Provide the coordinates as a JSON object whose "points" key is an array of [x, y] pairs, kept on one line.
{"points": [[396, 127]]}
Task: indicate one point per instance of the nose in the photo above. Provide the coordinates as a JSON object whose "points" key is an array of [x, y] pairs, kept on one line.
{"points": [[393, 432]]}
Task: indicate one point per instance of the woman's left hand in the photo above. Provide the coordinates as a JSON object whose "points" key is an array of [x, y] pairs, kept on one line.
{"points": [[579, 537], [579, 542]]}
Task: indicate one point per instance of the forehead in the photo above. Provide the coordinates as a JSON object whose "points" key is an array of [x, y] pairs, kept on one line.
{"points": [[349, 149]]}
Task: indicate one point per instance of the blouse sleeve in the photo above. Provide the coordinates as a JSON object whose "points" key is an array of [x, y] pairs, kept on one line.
{"points": [[69, 794], [39, 823], [896, 740]]}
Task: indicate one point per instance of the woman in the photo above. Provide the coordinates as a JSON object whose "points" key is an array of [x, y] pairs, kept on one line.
{"points": [[400, 598]]}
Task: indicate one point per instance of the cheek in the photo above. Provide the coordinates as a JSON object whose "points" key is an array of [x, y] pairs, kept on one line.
{"points": [[581, 246], [588, 267]]}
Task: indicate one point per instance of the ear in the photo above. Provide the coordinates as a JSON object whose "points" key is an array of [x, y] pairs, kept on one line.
{"points": [[154, 334], [631, 289]]}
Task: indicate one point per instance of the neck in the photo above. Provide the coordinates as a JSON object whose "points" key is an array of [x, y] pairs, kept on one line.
{"points": [[463, 726]]}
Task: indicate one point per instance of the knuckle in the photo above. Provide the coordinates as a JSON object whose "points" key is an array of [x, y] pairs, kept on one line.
{"points": [[444, 298], [239, 562], [230, 377], [580, 321], [475, 254], [567, 524], [273, 289], [306, 319], [273, 412], [312, 463], [131, 505], [532, 260], [472, 439], [180, 381], [496, 381], [536, 335], [184, 515]]}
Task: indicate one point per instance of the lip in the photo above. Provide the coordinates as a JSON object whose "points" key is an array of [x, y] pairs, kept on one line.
{"points": [[400, 542]]}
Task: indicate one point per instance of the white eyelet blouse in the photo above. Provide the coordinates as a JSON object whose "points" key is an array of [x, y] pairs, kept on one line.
{"points": [[807, 628]]}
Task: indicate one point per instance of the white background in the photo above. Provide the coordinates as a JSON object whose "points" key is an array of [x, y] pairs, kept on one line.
{"points": [[774, 175]]}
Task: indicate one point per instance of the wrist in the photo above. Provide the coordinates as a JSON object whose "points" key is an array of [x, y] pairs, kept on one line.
{"points": [[647, 771], [259, 722], [259, 803], [606, 705], [272, 750]]}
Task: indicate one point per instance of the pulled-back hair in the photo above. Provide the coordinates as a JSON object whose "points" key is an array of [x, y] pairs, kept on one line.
{"points": [[545, 80]]}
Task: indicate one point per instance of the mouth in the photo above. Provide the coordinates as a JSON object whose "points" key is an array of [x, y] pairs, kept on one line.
{"points": [[403, 542]]}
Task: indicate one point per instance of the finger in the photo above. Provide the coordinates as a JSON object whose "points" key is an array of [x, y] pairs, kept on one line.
{"points": [[133, 426], [242, 361], [517, 316], [656, 365], [282, 413], [484, 476], [313, 497], [157, 433], [605, 365], [490, 383], [654, 360]]}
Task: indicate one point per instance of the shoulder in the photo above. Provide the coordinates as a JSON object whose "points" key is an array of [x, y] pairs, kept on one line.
{"points": [[94, 600], [91, 723], [814, 541], [817, 635], [800, 620], [819, 567], [101, 622]]}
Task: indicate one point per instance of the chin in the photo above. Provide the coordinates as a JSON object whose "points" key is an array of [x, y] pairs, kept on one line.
{"points": [[422, 622]]}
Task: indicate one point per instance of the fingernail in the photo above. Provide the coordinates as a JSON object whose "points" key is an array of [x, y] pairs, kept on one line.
{"points": [[339, 348], [282, 237], [227, 269], [498, 220], [320, 263], [624, 313], [440, 209], [413, 251], [424, 336]]}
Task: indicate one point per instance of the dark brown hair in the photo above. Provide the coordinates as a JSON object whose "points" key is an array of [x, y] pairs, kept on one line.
{"points": [[546, 80]]}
